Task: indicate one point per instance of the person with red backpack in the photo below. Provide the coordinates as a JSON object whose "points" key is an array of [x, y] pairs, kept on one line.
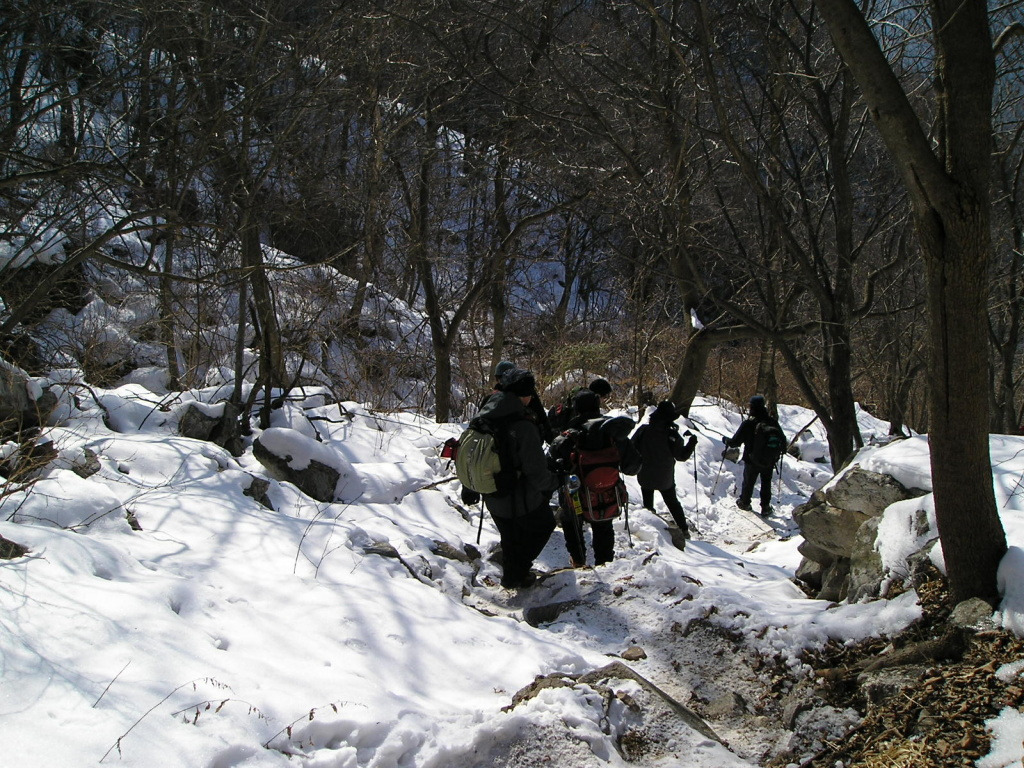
{"points": [[591, 455], [660, 445], [763, 444]]}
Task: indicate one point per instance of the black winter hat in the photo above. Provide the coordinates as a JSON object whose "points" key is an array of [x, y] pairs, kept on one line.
{"points": [[666, 411], [502, 368], [519, 382], [601, 387], [585, 402], [757, 405]]}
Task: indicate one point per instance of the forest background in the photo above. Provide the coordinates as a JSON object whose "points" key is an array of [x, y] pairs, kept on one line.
{"points": [[684, 196]]}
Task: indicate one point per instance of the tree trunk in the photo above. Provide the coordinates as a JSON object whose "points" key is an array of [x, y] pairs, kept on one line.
{"points": [[972, 536], [272, 373], [167, 335], [695, 362]]}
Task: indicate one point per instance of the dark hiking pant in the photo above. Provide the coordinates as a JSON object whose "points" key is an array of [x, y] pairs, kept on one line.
{"points": [[751, 474], [672, 503], [602, 535], [522, 540]]}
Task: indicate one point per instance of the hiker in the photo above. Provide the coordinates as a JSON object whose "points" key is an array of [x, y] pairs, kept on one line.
{"points": [[500, 370], [763, 443], [660, 446], [602, 389], [522, 514], [591, 435], [561, 414]]}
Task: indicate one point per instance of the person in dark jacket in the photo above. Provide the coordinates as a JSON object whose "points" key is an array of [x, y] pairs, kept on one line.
{"points": [[523, 517], [752, 471], [660, 446], [590, 427]]}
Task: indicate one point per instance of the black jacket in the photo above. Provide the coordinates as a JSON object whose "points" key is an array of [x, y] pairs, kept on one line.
{"points": [[660, 445]]}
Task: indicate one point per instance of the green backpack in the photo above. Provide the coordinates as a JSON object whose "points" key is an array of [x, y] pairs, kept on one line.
{"points": [[479, 460]]}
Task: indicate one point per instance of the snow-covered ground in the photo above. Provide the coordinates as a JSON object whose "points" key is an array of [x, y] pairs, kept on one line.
{"points": [[225, 633]]}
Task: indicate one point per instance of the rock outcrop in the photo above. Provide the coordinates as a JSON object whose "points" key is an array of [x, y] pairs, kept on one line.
{"points": [[839, 524], [23, 405], [217, 424]]}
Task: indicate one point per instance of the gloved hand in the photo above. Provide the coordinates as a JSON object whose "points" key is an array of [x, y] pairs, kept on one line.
{"points": [[692, 441], [469, 496], [725, 452]]}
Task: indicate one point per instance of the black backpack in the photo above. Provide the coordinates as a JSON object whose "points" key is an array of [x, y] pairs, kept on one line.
{"points": [[561, 414], [767, 445]]}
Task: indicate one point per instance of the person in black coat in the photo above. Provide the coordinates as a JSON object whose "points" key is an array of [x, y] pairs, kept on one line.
{"points": [[753, 470], [660, 446], [523, 517]]}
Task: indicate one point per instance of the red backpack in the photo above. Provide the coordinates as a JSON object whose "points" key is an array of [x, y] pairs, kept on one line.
{"points": [[602, 494]]}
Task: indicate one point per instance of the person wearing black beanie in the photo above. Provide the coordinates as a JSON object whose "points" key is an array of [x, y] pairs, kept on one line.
{"points": [[520, 510], [519, 382], [661, 446], [757, 466], [601, 388]]}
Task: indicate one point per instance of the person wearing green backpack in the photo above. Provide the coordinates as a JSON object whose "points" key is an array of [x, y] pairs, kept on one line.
{"points": [[523, 485]]}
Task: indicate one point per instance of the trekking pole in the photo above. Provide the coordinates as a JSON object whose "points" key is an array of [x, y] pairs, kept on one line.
{"points": [[480, 530], [715, 486], [574, 511], [696, 498]]}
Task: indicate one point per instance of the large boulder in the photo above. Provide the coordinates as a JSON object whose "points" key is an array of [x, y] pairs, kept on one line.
{"points": [[23, 404], [866, 568], [316, 469], [214, 423], [868, 493], [839, 524]]}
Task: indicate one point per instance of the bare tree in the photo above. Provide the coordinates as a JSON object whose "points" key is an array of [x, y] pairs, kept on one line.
{"points": [[949, 185], [1006, 314]]}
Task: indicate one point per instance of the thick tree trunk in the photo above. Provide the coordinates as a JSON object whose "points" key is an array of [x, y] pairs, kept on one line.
{"points": [[695, 362], [844, 438], [972, 536]]}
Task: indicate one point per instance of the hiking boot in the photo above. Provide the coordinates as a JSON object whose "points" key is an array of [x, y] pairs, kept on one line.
{"points": [[522, 582], [576, 563], [528, 580], [766, 510], [743, 504]]}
